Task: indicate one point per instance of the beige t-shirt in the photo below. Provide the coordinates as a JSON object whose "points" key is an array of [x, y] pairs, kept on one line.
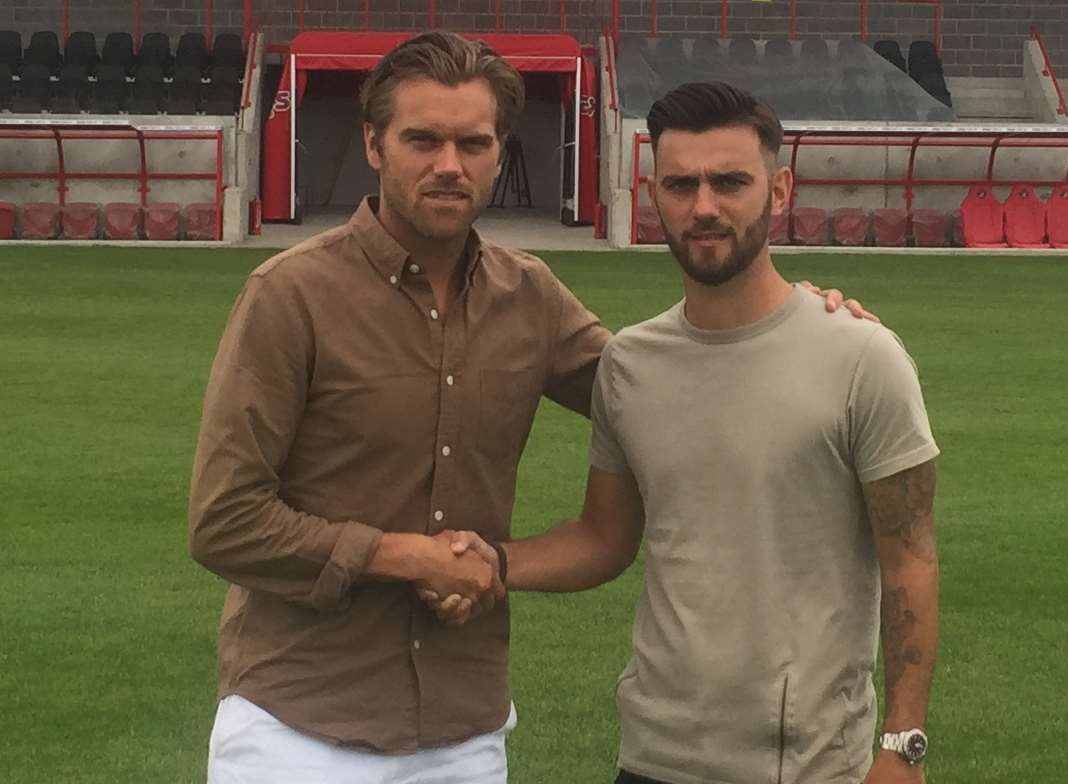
{"points": [[756, 634]]}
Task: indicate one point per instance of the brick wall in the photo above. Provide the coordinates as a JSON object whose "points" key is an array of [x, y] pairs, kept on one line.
{"points": [[980, 37]]}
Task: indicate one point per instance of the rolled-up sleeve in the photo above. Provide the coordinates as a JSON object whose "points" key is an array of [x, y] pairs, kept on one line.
{"points": [[239, 525]]}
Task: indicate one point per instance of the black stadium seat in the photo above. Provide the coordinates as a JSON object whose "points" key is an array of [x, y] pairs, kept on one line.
{"points": [[11, 50], [111, 91], [148, 90], [155, 50], [219, 106], [228, 51], [742, 51], [778, 50], [192, 52], [44, 50], [35, 90], [923, 59], [81, 50], [891, 52], [185, 88], [72, 92], [7, 86], [118, 50], [814, 50]]}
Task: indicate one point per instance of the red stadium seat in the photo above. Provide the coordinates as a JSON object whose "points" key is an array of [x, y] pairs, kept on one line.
{"points": [[891, 227], [850, 226], [983, 218], [79, 220], [7, 220], [1025, 218], [957, 229], [929, 227], [200, 221], [1057, 216], [122, 221], [40, 221], [650, 232], [779, 229], [809, 225], [161, 221]]}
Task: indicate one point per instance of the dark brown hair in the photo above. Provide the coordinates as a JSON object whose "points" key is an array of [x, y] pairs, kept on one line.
{"points": [[448, 59], [701, 106]]}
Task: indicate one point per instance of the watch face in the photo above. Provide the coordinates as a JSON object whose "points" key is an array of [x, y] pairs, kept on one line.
{"points": [[915, 746]]}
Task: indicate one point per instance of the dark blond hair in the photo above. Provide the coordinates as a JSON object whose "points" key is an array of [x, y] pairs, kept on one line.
{"points": [[448, 59]]}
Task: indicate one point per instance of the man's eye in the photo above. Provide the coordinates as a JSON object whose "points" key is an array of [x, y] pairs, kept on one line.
{"points": [[679, 186]]}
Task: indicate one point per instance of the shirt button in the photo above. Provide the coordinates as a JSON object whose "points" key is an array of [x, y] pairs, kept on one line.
{"points": [[414, 269], [434, 314], [416, 644], [445, 450], [393, 280], [439, 515], [449, 380]]}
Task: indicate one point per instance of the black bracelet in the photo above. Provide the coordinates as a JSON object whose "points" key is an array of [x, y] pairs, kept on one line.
{"points": [[502, 561]]}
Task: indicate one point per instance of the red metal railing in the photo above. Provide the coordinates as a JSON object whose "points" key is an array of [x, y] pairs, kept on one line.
{"points": [[1048, 71], [913, 140], [143, 176], [937, 20]]}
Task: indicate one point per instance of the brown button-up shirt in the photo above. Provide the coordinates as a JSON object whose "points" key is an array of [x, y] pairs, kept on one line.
{"points": [[341, 404]]}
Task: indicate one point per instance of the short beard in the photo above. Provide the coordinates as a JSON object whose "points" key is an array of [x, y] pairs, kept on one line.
{"points": [[742, 255]]}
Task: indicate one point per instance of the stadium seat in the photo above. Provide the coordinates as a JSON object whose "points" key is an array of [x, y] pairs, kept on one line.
{"points": [[1025, 218], [779, 229], [742, 51], [929, 228], [146, 97], [7, 220], [185, 86], [1057, 216], [44, 50], [81, 50], [200, 221], [983, 218], [923, 59], [220, 107], [891, 52], [79, 221], [956, 229], [40, 221], [670, 55], [111, 91], [778, 51], [192, 52], [891, 227], [11, 50], [122, 221], [155, 51], [35, 90], [228, 51], [7, 86], [850, 226], [161, 221], [72, 92], [814, 50], [809, 225], [935, 85], [707, 54], [118, 51], [650, 231]]}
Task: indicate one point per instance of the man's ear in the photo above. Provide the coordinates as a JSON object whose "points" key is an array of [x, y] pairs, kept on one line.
{"points": [[782, 185], [372, 146]]}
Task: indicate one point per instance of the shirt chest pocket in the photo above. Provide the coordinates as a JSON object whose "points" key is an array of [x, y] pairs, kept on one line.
{"points": [[508, 400]]}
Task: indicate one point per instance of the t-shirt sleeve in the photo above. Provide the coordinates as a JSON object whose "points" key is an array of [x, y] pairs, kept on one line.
{"points": [[606, 453], [889, 429]]}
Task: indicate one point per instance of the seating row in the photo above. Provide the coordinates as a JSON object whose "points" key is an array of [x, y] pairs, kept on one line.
{"points": [[115, 221]]}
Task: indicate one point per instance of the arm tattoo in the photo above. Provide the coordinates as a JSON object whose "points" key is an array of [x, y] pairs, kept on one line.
{"points": [[898, 624], [901, 506]]}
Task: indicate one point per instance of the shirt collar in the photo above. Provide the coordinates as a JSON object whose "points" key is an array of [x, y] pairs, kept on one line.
{"points": [[387, 255]]}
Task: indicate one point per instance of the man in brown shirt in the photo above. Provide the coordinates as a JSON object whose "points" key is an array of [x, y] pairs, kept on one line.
{"points": [[374, 388]]}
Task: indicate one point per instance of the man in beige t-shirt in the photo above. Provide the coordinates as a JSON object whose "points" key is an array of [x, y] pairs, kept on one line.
{"points": [[780, 466]]}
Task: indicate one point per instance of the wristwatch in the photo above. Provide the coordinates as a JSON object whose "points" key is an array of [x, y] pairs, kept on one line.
{"points": [[910, 744]]}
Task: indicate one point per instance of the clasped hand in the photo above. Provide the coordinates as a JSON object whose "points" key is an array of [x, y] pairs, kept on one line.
{"points": [[467, 582]]}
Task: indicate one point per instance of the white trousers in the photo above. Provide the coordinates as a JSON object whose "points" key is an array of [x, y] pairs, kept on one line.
{"points": [[250, 746]]}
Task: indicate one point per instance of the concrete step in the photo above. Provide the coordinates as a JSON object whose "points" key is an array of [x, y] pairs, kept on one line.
{"points": [[989, 98]]}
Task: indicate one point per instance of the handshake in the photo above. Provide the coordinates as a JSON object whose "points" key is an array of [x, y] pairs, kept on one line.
{"points": [[464, 577]]}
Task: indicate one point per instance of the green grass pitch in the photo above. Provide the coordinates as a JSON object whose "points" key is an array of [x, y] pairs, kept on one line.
{"points": [[107, 628]]}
